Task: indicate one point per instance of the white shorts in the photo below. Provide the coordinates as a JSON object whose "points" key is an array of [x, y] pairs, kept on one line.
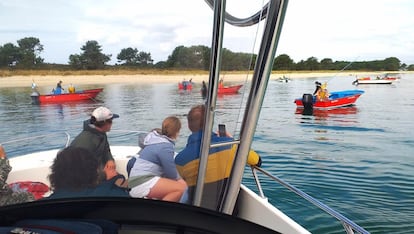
{"points": [[143, 189]]}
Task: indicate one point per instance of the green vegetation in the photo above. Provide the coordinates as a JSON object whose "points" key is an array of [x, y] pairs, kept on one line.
{"points": [[25, 59]]}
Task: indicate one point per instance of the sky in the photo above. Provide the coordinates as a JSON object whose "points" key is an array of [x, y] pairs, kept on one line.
{"points": [[352, 30]]}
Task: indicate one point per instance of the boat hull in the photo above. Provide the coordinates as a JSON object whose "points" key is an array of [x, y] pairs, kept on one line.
{"points": [[229, 89], [373, 81], [36, 167], [70, 97], [336, 100]]}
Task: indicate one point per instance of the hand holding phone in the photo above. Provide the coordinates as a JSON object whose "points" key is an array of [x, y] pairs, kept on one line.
{"points": [[222, 130]]}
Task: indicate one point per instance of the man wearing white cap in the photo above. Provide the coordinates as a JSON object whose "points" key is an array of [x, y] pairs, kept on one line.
{"points": [[94, 138]]}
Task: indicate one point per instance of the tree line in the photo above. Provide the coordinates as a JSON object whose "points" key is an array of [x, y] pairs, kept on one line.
{"points": [[26, 55]]}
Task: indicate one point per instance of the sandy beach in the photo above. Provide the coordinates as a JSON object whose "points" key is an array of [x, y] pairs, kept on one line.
{"points": [[79, 80]]}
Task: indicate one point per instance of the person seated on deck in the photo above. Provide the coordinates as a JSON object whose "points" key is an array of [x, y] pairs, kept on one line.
{"points": [[154, 174], [94, 138], [7, 195], [219, 165], [75, 173], [59, 89]]}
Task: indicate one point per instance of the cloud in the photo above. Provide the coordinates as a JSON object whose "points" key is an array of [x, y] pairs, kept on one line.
{"points": [[367, 30]]}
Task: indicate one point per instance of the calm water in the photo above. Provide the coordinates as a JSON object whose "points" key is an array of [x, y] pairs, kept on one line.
{"points": [[357, 160]]}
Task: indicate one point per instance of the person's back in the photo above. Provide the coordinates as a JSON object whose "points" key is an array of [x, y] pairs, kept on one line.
{"points": [[71, 89], [74, 173], [323, 93], [95, 141], [59, 89], [154, 174], [156, 158], [93, 138], [219, 163]]}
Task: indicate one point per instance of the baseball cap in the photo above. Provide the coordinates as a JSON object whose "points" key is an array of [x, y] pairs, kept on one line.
{"points": [[103, 113]]}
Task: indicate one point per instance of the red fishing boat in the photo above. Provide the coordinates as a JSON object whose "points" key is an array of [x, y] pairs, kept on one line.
{"points": [[335, 100], [82, 95], [185, 85], [232, 89]]}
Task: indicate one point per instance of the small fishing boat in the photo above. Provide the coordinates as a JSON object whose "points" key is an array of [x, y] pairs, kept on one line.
{"points": [[185, 85], [284, 79], [232, 89], [335, 100], [377, 80], [82, 95]]}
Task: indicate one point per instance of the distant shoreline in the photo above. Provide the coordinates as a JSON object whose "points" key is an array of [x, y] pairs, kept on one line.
{"points": [[78, 80]]}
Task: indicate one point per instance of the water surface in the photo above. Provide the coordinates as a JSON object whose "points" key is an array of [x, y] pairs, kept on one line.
{"points": [[358, 160]]}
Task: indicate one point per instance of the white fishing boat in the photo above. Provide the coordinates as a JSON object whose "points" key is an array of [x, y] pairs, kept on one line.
{"points": [[242, 209], [378, 80]]}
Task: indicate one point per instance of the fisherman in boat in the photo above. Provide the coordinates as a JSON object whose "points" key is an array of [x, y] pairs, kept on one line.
{"points": [[221, 84], [204, 90], [219, 163], [7, 195], [321, 91], [94, 138], [59, 89], [71, 89], [317, 88], [34, 86], [185, 84]]}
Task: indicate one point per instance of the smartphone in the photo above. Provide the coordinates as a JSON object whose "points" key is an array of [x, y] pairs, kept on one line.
{"points": [[222, 130]]}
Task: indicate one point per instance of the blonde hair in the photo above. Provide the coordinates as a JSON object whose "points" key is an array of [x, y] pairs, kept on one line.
{"points": [[171, 126]]}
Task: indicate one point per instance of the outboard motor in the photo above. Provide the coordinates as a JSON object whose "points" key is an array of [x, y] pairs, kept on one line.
{"points": [[307, 100], [35, 97], [355, 82]]}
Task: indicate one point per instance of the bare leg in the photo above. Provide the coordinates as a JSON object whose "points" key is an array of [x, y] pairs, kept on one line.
{"points": [[167, 190]]}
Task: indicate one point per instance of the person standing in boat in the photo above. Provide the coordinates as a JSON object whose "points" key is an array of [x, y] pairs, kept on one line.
{"points": [[185, 84], [74, 173], [59, 89], [219, 163], [204, 90], [317, 88], [221, 84], [154, 174], [93, 138], [7, 195]]}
